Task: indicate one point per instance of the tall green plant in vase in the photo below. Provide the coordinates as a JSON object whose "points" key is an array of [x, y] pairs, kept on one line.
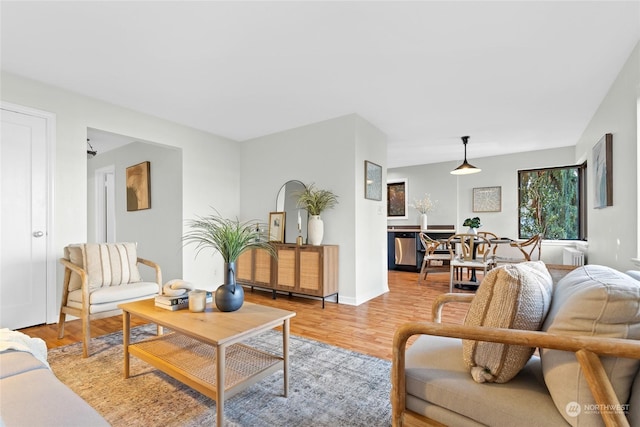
{"points": [[230, 238], [316, 201]]}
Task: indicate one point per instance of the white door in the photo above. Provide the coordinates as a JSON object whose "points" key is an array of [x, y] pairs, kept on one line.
{"points": [[23, 220]]}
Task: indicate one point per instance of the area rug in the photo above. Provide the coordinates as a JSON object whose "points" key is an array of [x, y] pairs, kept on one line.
{"points": [[328, 386]]}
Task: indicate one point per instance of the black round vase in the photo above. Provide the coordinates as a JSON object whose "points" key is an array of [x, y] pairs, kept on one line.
{"points": [[230, 295]]}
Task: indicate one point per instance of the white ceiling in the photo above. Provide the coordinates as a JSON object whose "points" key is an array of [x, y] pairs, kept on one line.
{"points": [[515, 76]]}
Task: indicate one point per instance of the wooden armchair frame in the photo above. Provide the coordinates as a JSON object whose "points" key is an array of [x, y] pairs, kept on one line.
{"points": [[84, 312], [587, 350]]}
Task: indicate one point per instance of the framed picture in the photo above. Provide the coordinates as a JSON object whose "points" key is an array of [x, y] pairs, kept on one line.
{"points": [[139, 186], [397, 199], [487, 199], [603, 172], [372, 181], [276, 226]]}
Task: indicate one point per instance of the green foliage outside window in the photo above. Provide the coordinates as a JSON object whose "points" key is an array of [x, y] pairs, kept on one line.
{"points": [[550, 203]]}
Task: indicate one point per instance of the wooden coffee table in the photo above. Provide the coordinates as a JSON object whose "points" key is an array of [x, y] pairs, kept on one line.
{"points": [[204, 351]]}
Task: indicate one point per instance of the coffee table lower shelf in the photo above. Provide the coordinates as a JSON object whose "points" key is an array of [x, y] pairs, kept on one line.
{"points": [[193, 363]]}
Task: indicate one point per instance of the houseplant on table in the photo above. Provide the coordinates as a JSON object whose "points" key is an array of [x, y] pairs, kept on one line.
{"points": [[316, 201], [473, 224], [424, 206], [230, 238]]}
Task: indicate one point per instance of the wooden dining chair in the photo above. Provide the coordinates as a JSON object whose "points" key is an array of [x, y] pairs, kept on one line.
{"points": [[464, 255], [528, 250], [432, 260]]}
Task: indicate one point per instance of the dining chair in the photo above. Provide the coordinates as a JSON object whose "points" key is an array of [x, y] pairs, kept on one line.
{"points": [[432, 260], [463, 249], [528, 250]]}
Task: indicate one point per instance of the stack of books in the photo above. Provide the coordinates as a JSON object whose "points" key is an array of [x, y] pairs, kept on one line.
{"points": [[177, 302], [172, 302]]}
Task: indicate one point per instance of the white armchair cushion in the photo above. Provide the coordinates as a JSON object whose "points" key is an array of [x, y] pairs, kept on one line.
{"points": [[108, 297], [591, 301], [514, 296]]}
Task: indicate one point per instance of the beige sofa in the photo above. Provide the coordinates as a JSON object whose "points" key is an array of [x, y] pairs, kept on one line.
{"points": [[31, 395], [593, 311]]}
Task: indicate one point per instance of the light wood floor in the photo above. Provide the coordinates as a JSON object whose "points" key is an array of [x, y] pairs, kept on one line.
{"points": [[367, 328]]}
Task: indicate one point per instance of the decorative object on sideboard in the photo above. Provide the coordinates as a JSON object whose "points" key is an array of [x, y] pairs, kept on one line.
{"points": [[603, 176], [424, 206], [277, 226], [139, 187], [230, 238], [372, 181], [473, 224], [316, 201], [465, 168], [287, 202]]}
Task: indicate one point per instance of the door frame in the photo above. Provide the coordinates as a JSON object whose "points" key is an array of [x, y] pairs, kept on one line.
{"points": [[50, 119], [100, 205]]}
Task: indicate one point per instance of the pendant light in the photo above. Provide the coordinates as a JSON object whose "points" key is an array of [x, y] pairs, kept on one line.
{"points": [[90, 151], [465, 168]]}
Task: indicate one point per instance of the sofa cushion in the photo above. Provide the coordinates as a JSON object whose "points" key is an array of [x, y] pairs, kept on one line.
{"points": [[514, 296], [590, 301], [436, 375]]}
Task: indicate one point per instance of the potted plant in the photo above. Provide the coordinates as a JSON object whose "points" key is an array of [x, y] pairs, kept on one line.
{"points": [[230, 238], [472, 223], [424, 206], [315, 201]]}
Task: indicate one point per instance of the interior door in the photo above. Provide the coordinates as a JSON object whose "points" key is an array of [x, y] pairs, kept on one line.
{"points": [[23, 220]]}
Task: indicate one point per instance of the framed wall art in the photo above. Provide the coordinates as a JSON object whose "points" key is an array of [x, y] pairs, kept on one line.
{"points": [[397, 199], [487, 199], [139, 187], [603, 172], [372, 181], [276, 226]]}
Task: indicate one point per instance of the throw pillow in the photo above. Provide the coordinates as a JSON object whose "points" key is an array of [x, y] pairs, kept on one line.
{"points": [[111, 264], [514, 296], [73, 253], [590, 301]]}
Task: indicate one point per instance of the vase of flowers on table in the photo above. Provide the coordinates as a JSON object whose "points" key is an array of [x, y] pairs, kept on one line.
{"points": [[424, 206]]}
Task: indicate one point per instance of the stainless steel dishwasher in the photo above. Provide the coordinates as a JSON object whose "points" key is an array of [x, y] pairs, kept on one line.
{"points": [[405, 248]]}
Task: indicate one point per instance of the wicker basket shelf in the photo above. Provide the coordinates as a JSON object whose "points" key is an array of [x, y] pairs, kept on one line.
{"points": [[194, 362]]}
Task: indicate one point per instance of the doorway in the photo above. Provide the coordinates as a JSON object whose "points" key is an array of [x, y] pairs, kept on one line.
{"points": [[105, 205], [27, 267]]}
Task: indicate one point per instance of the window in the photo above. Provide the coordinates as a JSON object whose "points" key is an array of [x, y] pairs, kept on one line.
{"points": [[552, 201]]}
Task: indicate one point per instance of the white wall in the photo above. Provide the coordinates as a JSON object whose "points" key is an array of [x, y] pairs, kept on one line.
{"points": [[142, 226], [324, 154], [613, 231], [210, 164]]}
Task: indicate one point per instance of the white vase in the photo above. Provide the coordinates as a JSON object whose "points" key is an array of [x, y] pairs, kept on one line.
{"points": [[423, 222], [472, 231], [315, 230]]}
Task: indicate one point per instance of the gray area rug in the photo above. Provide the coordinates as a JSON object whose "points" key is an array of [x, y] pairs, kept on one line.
{"points": [[328, 386]]}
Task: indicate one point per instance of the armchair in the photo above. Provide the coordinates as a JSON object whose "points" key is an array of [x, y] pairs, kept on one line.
{"points": [[528, 250], [430, 384], [98, 277]]}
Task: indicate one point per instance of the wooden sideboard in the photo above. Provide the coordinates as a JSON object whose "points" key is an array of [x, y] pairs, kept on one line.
{"points": [[305, 270]]}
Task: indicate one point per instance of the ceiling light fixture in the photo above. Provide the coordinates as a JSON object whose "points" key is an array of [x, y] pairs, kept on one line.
{"points": [[465, 168], [90, 151]]}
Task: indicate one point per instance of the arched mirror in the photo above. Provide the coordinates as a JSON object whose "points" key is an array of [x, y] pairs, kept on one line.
{"points": [[286, 201]]}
